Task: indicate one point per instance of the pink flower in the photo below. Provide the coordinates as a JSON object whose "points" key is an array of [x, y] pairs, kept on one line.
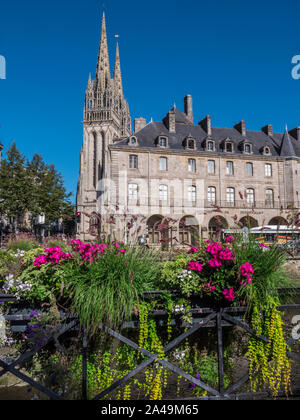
{"points": [[214, 263], [229, 239], [195, 266], [209, 288], [263, 245], [246, 271], [193, 251], [229, 294], [225, 254], [214, 248], [123, 251]]}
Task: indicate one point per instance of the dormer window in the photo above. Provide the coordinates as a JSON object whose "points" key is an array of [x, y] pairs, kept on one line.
{"points": [[266, 150], [228, 146], [190, 143], [133, 141], [162, 141], [247, 148], [209, 145]]}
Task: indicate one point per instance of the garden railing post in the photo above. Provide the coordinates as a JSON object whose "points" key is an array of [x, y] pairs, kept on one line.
{"points": [[220, 351], [84, 365]]}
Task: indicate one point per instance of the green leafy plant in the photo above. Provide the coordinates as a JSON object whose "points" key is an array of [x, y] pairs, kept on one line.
{"points": [[107, 289]]}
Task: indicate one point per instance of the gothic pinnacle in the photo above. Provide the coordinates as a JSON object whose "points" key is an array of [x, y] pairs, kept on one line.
{"points": [[117, 72], [103, 70]]}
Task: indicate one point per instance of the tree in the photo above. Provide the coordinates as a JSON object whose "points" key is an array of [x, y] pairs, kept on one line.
{"points": [[49, 195], [32, 187], [15, 186]]}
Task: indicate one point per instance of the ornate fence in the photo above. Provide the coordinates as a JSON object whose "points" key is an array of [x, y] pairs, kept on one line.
{"points": [[216, 318]]}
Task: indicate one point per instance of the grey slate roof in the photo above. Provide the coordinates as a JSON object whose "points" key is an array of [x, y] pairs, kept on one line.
{"points": [[281, 145], [287, 148]]}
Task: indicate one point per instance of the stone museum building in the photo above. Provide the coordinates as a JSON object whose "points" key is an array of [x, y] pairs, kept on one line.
{"points": [[166, 176]]}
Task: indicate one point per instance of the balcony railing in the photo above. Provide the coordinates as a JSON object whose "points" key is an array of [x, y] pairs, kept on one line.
{"points": [[243, 204]]}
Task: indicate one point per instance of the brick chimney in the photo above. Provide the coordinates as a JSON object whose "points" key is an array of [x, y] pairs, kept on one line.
{"points": [[170, 121], [268, 130], [241, 127], [139, 123], [295, 132], [188, 107], [206, 125]]}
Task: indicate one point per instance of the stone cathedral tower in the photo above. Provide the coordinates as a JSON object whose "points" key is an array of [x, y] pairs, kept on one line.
{"points": [[106, 119]]}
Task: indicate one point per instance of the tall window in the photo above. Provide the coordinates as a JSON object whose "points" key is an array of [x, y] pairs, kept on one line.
{"points": [[192, 194], [229, 168], [163, 142], [163, 193], [247, 148], [211, 195], [249, 169], [191, 144], [250, 195], [211, 167], [132, 192], [210, 146], [230, 197], [268, 169], [133, 162], [192, 165], [229, 147], [163, 164], [269, 199]]}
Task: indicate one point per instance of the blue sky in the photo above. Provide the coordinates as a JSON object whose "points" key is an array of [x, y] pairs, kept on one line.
{"points": [[233, 56]]}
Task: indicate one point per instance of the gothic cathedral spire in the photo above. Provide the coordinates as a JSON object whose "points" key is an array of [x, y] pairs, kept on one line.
{"points": [[117, 73], [103, 70]]}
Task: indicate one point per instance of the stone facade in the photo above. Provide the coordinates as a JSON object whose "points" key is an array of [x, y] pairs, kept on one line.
{"points": [[175, 176]]}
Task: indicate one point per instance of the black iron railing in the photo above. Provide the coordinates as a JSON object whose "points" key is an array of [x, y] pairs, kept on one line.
{"points": [[216, 318]]}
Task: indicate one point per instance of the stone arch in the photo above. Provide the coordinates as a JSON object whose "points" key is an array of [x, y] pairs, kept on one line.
{"points": [[248, 221], [157, 229], [278, 221], [189, 231], [215, 226]]}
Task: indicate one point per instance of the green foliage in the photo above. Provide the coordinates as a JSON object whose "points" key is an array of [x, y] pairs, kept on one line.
{"points": [[8, 264], [22, 245], [188, 284], [31, 187], [269, 362], [269, 273], [107, 289], [47, 281]]}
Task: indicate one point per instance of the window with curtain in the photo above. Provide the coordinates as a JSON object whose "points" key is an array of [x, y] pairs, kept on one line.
{"points": [[211, 195], [249, 169], [163, 164], [211, 167], [163, 193], [192, 165], [230, 196]]}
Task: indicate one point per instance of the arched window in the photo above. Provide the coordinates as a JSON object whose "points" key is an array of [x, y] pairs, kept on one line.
{"points": [[269, 199], [163, 193], [211, 195]]}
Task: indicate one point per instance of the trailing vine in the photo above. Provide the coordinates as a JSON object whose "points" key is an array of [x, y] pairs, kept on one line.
{"points": [[269, 364]]}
